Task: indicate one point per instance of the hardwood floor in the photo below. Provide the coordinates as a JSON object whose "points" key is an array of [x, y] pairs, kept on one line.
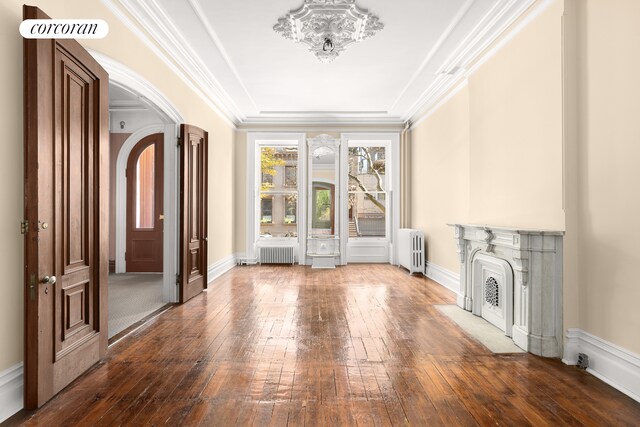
{"points": [[359, 345]]}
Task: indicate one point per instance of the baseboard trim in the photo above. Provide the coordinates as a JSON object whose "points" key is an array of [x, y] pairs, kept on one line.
{"points": [[446, 278], [220, 267], [612, 364], [11, 391]]}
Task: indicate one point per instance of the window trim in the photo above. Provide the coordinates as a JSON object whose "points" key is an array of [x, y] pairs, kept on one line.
{"points": [[254, 141], [390, 140]]}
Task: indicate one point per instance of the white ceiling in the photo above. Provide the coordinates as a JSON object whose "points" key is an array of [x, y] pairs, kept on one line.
{"points": [[256, 76]]}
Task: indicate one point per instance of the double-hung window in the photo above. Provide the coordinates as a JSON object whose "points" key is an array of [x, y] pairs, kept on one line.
{"points": [[367, 191], [278, 194]]}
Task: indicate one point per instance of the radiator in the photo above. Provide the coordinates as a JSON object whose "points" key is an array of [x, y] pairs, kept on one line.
{"points": [[411, 250], [277, 255]]}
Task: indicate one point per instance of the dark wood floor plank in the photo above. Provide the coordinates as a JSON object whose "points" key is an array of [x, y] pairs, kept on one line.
{"points": [[363, 345]]}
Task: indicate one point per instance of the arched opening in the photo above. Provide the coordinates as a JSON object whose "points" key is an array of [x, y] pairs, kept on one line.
{"points": [[143, 136]]}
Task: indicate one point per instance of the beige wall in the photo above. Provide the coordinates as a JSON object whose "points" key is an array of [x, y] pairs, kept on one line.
{"points": [[492, 153], [608, 173], [440, 177], [125, 47], [515, 104]]}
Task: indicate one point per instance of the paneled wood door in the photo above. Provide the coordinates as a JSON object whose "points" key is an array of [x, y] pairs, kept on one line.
{"points": [[145, 201], [193, 208], [66, 209]]}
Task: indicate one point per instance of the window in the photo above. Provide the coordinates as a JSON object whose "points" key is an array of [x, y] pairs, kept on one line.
{"points": [[290, 176], [368, 190], [278, 193], [267, 179], [145, 187], [290, 210], [266, 210]]}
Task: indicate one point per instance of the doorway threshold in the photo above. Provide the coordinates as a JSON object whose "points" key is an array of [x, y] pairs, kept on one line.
{"points": [[139, 324]]}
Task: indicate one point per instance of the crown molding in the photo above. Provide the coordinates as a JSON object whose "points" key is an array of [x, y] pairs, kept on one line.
{"points": [[156, 22], [440, 102], [322, 118], [457, 66], [124, 77], [464, 9], [185, 75], [197, 9]]}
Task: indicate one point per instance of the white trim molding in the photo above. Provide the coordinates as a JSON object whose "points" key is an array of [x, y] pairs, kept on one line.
{"points": [[11, 391], [220, 267], [443, 276], [155, 21], [125, 78], [475, 50], [170, 239], [254, 141], [613, 364]]}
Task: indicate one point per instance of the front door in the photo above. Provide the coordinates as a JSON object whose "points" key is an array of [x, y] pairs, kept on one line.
{"points": [[145, 220], [66, 210], [193, 209]]}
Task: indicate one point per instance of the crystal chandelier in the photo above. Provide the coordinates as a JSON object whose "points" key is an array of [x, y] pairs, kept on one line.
{"points": [[328, 26]]}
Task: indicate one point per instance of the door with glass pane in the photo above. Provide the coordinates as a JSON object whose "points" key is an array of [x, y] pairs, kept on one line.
{"points": [[145, 190], [368, 204]]}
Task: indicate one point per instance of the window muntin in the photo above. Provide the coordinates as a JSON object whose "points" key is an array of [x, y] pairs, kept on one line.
{"points": [[278, 184]]}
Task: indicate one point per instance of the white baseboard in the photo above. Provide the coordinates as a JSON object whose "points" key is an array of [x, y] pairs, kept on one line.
{"points": [[11, 391], [446, 278], [612, 364], [220, 267]]}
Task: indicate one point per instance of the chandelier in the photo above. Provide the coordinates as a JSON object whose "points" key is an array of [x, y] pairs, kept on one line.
{"points": [[328, 26]]}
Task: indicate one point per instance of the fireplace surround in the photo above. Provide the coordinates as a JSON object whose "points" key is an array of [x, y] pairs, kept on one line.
{"points": [[513, 278]]}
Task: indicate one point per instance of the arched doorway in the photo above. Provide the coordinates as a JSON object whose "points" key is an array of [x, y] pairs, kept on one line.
{"points": [[145, 205]]}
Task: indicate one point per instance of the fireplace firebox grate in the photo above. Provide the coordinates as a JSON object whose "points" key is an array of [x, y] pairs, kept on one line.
{"points": [[492, 292]]}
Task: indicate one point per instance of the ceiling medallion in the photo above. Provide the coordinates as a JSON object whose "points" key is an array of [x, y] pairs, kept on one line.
{"points": [[328, 26]]}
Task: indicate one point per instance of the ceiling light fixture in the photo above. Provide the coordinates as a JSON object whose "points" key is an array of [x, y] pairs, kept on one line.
{"points": [[328, 26]]}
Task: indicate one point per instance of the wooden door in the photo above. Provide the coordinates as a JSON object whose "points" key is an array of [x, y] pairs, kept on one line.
{"points": [[192, 278], [66, 209], [145, 220]]}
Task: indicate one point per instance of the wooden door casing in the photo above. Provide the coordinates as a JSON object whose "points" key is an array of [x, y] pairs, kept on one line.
{"points": [[66, 209], [193, 210], [144, 251]]}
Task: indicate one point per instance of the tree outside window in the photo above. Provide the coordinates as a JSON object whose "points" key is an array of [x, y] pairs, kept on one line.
{"points": [[278, 191], [367, 192]]}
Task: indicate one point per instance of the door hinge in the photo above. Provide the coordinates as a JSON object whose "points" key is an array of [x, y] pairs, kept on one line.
{"points": [[24, 227], [177, 280]]}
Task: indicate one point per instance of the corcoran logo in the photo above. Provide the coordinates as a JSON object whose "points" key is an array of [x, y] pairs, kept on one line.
{"points": [[64, 29]]}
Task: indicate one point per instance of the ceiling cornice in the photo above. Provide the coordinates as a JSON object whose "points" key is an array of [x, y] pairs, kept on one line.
{"points": [[184, 75], [451, 72], [450, 86], [155, 21], [495, 22]]}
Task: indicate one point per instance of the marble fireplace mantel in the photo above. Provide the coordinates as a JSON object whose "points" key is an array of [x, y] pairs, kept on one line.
{"points": [[532, 290]]}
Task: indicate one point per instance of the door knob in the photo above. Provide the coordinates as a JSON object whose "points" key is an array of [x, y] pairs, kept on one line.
{"points": [[49, 280]]}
